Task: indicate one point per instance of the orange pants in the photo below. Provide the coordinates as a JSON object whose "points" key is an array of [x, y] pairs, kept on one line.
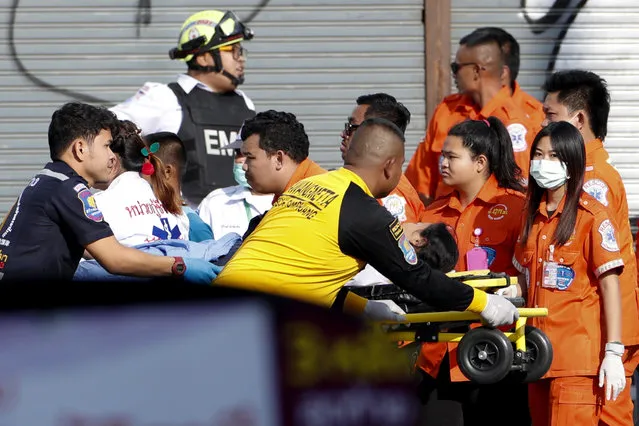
{"points": [[564, 401]]}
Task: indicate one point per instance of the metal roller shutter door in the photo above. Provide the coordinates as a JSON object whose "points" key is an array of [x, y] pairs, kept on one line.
{"points": [[309, 58]]}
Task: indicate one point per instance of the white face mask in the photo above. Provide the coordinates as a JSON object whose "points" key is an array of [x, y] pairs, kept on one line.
{"points": [[548, 174]]}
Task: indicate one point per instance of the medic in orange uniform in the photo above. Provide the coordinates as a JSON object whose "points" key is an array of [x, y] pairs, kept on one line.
{"points": [[484, 209], [569, 255], [480, 71], [581, 98]]}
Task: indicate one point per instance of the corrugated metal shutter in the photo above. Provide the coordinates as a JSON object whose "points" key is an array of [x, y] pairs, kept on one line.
{"points": [[601, 36], [310, 58]]}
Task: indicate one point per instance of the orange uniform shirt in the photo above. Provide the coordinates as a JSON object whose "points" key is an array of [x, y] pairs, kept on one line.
{"points": [[497, 212], [604, 183], [575, 324], [404, 202], [423, 169], [529, 104], [306, 168]]}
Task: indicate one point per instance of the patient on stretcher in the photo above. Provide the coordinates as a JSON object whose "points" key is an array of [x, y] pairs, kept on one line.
{"points": [[434, 244]]}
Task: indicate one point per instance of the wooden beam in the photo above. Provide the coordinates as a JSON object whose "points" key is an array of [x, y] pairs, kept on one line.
{"points": [[437, 52]]}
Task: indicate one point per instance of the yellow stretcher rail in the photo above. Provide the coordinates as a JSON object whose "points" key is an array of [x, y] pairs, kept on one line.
{"points": [[465, 316], [517, 336]]}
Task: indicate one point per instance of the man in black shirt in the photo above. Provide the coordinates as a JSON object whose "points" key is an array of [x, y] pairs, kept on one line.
{"points": [[55, 217]]}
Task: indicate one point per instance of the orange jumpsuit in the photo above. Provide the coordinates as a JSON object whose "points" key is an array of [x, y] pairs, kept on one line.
{"points": [[423, 169], [531, 105], [569, 392], [497, 212]]}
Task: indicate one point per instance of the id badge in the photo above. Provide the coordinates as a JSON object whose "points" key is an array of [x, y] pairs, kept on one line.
{"points": [[550, 275], [476, 258]]}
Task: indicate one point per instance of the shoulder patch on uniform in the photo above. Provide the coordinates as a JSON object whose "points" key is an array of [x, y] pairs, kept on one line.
{"points": [[407, 249], [80, 187], [396, 229], [608, 240], [598, 189], [517, 134], [91, 209], [396, 205]]}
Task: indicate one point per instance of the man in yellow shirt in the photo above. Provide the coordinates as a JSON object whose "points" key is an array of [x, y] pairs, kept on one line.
{"points": [[325, 229]]}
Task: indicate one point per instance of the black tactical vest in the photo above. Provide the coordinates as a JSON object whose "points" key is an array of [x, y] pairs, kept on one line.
{"points": [[210, 121]]}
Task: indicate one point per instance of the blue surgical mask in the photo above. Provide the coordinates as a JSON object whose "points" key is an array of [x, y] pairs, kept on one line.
{"points": [[240, 175]]}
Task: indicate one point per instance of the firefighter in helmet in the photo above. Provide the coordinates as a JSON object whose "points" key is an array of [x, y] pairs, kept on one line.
{"points": [[204, 106]]}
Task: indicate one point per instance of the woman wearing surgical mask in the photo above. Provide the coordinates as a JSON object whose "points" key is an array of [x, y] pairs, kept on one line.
{"points": [[230, 209], [569, 255], [484, 210]]}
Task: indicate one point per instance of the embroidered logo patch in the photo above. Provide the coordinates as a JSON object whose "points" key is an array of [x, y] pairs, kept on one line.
{"points": [[396, 205], [608, 240], [407, 249], [396, 229], [598, 190], [91, 209], [517, 134], [497, 212], [565, 277]]}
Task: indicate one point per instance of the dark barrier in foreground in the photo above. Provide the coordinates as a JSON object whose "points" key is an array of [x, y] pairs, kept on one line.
{"points": [[158, 354]]}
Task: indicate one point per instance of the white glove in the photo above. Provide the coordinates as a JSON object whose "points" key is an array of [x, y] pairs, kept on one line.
{"points": [[383, 310], [510, 291], [612, 372], [499, 311]]}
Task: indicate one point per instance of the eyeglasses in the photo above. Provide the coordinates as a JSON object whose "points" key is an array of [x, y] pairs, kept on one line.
{"points": [[349, 128], [236, 49], [455, 67]]}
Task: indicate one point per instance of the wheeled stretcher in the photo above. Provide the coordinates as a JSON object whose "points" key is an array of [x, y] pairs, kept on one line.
{"points": [[484, 355]]}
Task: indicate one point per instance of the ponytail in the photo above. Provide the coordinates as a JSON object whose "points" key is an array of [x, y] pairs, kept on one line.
{"points": [[503, 166], [491, 139], [136, 156], [163, 190]]}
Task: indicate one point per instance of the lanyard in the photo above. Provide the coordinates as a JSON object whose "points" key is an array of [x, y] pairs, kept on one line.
{"points": [[247, 208]]}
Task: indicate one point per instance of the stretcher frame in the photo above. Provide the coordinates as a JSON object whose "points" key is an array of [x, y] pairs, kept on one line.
{"points": [[425, 327]]}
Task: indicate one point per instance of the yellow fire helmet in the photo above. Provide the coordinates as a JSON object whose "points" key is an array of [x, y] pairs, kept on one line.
{"points": [[207, 31]]}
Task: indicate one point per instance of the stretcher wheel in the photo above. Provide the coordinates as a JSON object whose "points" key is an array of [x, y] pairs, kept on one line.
{"points": [[485, 355], [539, 353]]}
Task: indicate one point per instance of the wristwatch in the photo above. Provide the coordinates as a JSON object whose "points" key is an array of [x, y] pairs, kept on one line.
{"points": [[179, 267]]}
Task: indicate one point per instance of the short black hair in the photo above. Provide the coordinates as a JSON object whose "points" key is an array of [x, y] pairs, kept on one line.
{"points": [[171, 151], [481, 37], [440, 251], [383, 105], [508, 44], [278, 131], [76, 120], [579, 89]]}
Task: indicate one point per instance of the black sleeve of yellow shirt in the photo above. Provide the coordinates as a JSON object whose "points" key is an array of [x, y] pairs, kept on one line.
{"points": [[368, 232]]}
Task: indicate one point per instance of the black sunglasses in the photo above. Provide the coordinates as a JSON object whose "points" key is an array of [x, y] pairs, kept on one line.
{"points": [[349, 128], [455, 67]]}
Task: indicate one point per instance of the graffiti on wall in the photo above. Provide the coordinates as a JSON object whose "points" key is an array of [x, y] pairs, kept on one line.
{"points": [[141, 18], [551, 19]]}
